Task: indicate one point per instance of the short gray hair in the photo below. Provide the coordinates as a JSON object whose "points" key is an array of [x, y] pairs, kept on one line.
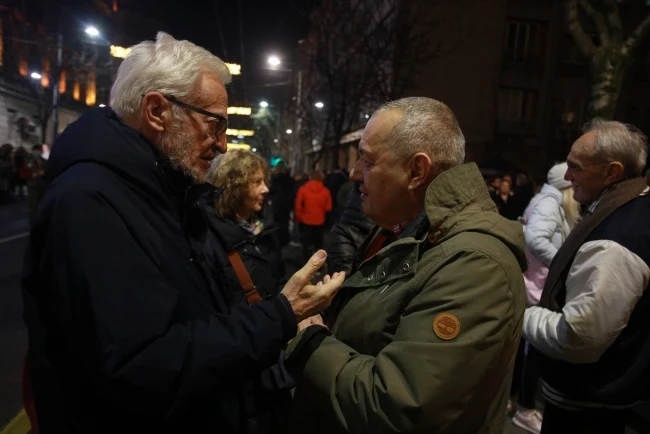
{"points": [[166, 65], [616, 141], [427, 126]]}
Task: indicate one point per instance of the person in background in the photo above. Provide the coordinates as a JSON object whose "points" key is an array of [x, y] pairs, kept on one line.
{"points": [[348, 234], [494, 185], [6, 173], [313, 202], [504, 201], [244, 220], [422, 337], [37, 184], [522, 194], [592, 325], [252, 269], [549, 218], [282, 195], [334, 181]]}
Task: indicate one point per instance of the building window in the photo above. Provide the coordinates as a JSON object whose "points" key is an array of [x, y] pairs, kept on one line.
{"points": [[524, 42], [569, 112], [517, 104]]}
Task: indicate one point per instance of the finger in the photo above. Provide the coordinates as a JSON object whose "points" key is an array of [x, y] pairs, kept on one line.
{"points": [[326, 278], [305, 274], [334, 284], [319, 284]]}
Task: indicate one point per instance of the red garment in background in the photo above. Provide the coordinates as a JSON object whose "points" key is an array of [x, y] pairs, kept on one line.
{"points": [[313, 202]]}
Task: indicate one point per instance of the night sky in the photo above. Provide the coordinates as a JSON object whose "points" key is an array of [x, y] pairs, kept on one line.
{"points": [[269, 27]]}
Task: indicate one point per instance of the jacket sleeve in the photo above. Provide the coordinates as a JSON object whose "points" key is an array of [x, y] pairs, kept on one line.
{"points": [[341, 249], [605, 283], [299, 206], [540, 229], [146, 359], [418, 382]]}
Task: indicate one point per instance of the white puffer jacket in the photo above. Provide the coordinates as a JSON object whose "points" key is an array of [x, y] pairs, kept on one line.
{"points": [[546, 228]]}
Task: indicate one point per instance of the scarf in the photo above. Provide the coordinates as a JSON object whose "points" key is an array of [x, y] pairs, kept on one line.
{"points": [[554, 293]]}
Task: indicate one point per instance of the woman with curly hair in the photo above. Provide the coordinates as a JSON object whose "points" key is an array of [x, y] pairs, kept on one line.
{"points": [[244, 221], [253, 269]]}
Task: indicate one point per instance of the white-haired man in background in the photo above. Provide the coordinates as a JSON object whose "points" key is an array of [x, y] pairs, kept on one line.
{"points": [[592, 324], [129, 329]]}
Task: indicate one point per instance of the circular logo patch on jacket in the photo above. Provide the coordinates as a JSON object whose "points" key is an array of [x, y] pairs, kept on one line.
{"points": [[446, 326]]}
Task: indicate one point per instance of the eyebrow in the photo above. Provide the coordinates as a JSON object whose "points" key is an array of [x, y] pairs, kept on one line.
{"points": [[363, 151]]}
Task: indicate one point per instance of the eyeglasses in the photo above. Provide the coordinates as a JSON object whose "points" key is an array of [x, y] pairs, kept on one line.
{"points": [[578, 168], [222, 124]]}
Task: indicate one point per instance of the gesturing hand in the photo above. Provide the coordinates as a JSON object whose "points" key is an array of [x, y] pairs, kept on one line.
{"points": [[307, 299]]}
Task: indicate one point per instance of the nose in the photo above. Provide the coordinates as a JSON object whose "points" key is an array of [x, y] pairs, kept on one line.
{"points": [[265, 188], [355, 173], [568, 175], [221, 144]]}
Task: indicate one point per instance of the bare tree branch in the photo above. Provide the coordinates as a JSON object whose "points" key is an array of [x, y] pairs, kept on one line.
{"points": [[577, 31], [614, 21], [636, 37], [598, 19]]}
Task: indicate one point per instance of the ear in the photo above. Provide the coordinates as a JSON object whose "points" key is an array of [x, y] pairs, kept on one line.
{"points": [[614, 173], [156, 111], [420, 169]]}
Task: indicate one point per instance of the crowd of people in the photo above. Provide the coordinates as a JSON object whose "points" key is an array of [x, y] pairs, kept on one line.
{"points": [[156, 298]]}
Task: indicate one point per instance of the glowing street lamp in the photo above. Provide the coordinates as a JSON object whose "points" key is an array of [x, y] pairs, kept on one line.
{"points": [[264, 104], [92, 31], [289, 131], [319, 105], [36, 76], [274, 61]]}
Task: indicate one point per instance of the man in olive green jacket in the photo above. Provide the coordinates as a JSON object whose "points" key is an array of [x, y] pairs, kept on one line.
{"points": [[424, 333]]}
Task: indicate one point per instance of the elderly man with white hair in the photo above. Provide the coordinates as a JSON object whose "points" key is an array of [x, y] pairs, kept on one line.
{"points": [[593, 322], [423, 335], [129, 326]]}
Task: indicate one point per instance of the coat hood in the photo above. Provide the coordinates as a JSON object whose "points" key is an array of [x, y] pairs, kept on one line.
{"points": [[100, 137], [458, 201], [314, 186]]}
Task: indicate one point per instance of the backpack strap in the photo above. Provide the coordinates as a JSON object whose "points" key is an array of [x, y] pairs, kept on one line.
{"points": [[245, 281]]}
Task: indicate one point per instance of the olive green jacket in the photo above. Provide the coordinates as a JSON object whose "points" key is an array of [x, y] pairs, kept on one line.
{"points": [[426, 339]]}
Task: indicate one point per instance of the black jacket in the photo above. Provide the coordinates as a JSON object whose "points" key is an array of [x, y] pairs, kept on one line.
{"points": [[261, 255], [129, 331], [347, 236]]}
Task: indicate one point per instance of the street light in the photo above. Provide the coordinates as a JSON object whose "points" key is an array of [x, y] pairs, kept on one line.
{"points": [[264, 104], [319, 105], [92, 31], [36, 76], [254, 149], [274, 61], [289, 131], [102, 105]]}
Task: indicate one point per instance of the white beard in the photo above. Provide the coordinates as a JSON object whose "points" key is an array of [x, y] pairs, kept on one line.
{"points": [[177, 144]]}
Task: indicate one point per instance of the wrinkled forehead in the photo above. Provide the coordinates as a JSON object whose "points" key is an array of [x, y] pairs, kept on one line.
{"points": [[583, 148], [377, 132]]}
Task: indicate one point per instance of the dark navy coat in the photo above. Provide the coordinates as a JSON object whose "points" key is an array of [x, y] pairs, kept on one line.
{"points": [[129, 330]]}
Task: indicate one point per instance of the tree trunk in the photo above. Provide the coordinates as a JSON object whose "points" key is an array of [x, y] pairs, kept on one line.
{"points": [[608, 72]]}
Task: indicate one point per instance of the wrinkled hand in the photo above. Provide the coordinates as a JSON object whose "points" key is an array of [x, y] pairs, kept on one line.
{"points": [[312, 320], [307, 299]]}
